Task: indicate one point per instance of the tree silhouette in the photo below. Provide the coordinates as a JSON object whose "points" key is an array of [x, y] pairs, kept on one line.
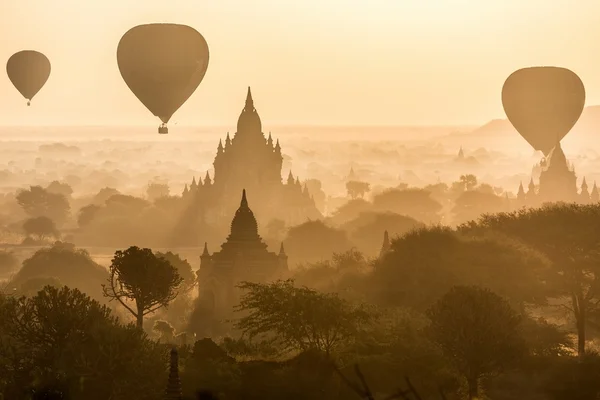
{"points": [[567, 235], [42, 227], [478, 332], [140, 276], [357, 189], [38, 202], [87, 214], [300, 318]]}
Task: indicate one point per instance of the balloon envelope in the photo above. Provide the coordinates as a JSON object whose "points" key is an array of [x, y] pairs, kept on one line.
{"points": [[162, 64], [28, 71], [543, 104]]}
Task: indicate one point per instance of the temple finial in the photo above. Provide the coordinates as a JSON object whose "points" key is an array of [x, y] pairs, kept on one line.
{"points": [[249, 101], [174, 384], [244, 202]]}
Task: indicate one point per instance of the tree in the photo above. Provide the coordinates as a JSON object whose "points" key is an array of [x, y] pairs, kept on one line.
{"points": [[366, 230], [314, 241], [350, 210], [8, 262], [183, 267], [104, 194], [57, 187], [425, 263], [156, 190], [165, 330], [62, 337], [357, 189], [72, 267], [478, 332], [567, 235], [468, 181], [140, 276], [416, 203], [87, 214], [38, 202], [42, 227], [471, 204], [299, 318]]}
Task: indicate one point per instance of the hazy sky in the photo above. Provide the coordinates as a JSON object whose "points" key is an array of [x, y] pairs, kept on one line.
{"points": [[308, 62]]}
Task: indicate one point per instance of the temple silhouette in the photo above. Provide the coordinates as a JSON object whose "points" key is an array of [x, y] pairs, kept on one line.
{"points": [[243, 257], [557, 183], [251, 161]]}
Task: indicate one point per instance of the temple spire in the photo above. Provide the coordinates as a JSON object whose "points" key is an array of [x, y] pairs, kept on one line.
{"points": [[249, 102], [173, 391], [386, 244], [205, 252], [281, 250], [244, 202]]}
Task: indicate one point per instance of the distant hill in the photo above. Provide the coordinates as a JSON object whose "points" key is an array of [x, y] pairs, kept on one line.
{"points": [[500, 134]]}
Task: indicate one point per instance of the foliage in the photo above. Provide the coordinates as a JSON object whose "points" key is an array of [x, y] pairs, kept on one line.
{"points": [[165, 330], [62, 188], [38, 202], [416, 203], [72, 267], [366, 230], [62, 337], [300, 318], [425, 263], [140, 276], [477, 331], [87, 214], [313, 241], [357, 189], [8, 262], [183, 267], [471, 204], [567, 235], [42, 227]]}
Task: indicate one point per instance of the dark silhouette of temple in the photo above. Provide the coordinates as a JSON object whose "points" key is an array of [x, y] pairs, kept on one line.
{"points": [[243, 257], [251, 161], [386, 246], [173, 391], [557, 182]]}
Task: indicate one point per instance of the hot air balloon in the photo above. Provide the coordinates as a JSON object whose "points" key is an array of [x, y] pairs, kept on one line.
{"points": [[543, 104], [162, 64], [28, 70]]}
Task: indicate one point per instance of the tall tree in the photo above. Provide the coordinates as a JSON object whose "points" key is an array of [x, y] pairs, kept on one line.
{"points": [[568, 235], [38, 202], [138, 275], [42, 227], [357, 189], [299, 318], [478, 332]]}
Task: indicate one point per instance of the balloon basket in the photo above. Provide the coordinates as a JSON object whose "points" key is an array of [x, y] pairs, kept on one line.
{"points": [[163, 130], [28, 103]]}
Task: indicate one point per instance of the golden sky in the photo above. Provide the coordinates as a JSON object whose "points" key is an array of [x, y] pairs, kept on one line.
{"points": [[344, 62]]}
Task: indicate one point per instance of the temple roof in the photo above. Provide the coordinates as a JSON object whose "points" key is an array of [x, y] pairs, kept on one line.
{"points": [[249, 120], [244, 226]]}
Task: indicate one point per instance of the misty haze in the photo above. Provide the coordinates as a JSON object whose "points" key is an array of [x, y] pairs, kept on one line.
{"points": [[322, 200]]}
